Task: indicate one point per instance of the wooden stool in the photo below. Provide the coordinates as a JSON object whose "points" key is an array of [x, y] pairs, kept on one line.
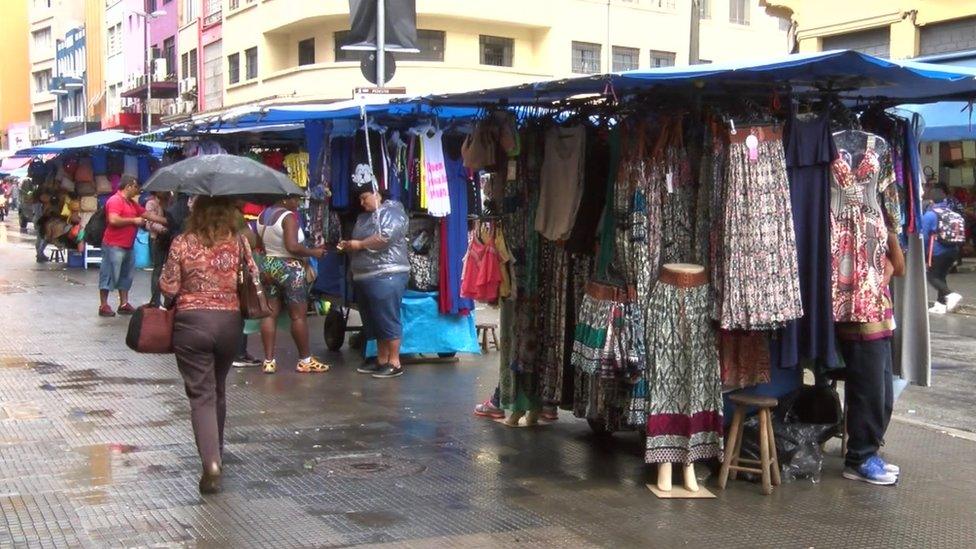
{"points": [[769, 465], [57, 255], [483, 331]]}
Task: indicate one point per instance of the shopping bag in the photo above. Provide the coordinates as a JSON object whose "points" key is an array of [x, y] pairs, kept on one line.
{"points": [[151, 330], [140, 247]]}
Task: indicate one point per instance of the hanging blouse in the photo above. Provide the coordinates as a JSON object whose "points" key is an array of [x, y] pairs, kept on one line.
{"points": [[438, 200], [859, 237], [562, 182], [297, 166]]}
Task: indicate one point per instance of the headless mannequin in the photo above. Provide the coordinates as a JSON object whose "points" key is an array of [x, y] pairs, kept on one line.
{"points": [[664, 470]]}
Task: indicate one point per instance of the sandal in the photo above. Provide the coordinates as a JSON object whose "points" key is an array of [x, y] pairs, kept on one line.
{"points": [[126, 309], [313, 366], [489, 410], [270, 366]]}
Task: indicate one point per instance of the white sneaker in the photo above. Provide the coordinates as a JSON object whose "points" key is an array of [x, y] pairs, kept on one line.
{"points": [[938, 309], [952, 301]]}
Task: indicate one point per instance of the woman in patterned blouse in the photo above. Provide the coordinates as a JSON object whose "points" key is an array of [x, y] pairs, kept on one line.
{"points": [[201, 275]]}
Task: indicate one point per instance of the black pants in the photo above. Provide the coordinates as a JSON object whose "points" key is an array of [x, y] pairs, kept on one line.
{"points": [[869, 396], [205, 343], [939, 270], [158, 255]]}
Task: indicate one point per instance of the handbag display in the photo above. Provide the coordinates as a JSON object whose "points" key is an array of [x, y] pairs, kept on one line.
{"points": [[103, 185], [151, 330], [254, 302]]}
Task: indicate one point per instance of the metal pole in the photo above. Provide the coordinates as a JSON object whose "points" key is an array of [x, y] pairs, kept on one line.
{"points": [[609, 65], [84, 100], [381, 43], [694, 57], [148, 75]]}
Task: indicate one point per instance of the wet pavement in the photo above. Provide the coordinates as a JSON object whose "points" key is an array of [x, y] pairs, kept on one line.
{"points": [[96, 450]]}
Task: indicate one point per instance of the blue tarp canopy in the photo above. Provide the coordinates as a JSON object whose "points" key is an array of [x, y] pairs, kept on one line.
{"points": [[946, 121], [851, 74], [112, 139]]}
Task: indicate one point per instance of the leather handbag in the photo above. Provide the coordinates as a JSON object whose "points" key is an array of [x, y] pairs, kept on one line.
{"points": [[254, 302], [151, 330]]}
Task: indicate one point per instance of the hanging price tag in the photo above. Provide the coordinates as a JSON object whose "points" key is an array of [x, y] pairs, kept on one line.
{"points": [[752, 143], [669, 181]]}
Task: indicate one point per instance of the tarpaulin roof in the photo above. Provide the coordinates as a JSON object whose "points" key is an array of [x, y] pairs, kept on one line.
{"points": [[946, 121], [8, 165], [114, 139], [852, 74]]}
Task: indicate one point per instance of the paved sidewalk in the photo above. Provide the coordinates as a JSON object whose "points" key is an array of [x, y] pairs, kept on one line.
{"points": [[96, 450]]}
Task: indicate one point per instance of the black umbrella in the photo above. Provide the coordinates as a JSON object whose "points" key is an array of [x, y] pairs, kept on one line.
{"points": [[222, 175]]}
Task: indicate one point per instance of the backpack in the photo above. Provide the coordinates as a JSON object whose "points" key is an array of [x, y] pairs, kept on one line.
{"points": [[952, 227], [95, 228]]}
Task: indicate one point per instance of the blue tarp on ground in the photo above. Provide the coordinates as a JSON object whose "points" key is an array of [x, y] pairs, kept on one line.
{"points": [[426, 331], [115, 139], [853, 74]]}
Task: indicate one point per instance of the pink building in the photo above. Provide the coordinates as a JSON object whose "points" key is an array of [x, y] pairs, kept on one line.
{"points": [[163, 33]]}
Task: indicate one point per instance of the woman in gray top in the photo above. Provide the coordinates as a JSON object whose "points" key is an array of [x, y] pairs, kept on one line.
{"points": [[380, 269]]}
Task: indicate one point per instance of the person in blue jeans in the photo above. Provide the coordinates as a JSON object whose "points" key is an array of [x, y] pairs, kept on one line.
{"points": [[380, 269], [940, 259]]}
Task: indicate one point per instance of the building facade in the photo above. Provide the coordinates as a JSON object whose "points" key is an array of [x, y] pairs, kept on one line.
{"points": [[291, 49], [125, 63], [896, 29], [15, 78], [48, 19], [200, 68], [69, 84]]}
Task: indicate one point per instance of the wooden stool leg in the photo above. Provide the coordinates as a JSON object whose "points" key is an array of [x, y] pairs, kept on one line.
{"points": [[737, 449], [734, 434], [484, 340], [494, 339], [773, 458], [767, 487]]}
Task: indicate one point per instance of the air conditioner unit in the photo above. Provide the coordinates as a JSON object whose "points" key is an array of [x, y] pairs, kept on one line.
{"points": [[45, 134], [187, 85], [172, 108], [187, 107]]}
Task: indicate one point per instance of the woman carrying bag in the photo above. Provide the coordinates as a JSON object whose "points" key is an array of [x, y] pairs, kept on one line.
{"points": [[202, 273]]}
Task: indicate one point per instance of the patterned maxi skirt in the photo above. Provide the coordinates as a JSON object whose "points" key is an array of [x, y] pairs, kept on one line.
{"points": [[684, 422], [606, 356], [761, 277]]}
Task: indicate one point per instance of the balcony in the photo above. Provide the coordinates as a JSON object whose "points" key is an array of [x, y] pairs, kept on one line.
{"points": [[161, 89]]}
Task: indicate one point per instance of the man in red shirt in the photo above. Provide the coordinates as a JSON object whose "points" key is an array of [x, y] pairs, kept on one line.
{"points": [[123, 217]]}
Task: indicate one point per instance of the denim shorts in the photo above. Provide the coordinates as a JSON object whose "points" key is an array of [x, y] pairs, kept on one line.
{"points": [[379, 301], [118, 265]]}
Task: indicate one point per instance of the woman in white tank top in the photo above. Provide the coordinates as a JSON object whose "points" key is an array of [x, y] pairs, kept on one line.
{"points": [[281, 236]]}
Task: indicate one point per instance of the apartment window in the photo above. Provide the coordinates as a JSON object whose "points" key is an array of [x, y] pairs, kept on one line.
{"points": [[586, 58], [213, 76], [496, 51], [341, 39], [115, 39], [185, 65], [306, 52], [705, 9], [662, 4], [739, 12], [193, 63], [234, 4], [662, 58], [625, 59], [169, 53], [189, 11], [251, 62], [42, 38], [234, 68], [42, 81], [431, 46], [150, 6]]}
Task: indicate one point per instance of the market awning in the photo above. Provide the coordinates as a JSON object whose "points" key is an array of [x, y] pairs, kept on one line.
{"points": [[114, 139], [8, 165], [853, 75], [946, 121]]}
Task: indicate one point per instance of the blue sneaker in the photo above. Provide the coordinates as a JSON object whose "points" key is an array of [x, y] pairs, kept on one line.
{"points": [[871, 471], [890, 467]]}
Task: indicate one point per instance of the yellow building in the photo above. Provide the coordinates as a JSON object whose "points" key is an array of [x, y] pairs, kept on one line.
{"points": [[897, 29], [95, 58], [289, 49], [15, 103]]}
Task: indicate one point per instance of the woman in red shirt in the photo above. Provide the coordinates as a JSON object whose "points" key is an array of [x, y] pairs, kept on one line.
{"points": [[201, 274]]}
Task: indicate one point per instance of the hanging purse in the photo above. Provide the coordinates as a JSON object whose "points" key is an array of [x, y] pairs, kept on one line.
{"points": [[254, 302], [151, 330]]}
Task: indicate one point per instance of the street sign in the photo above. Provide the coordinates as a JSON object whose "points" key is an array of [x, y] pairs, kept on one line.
{"points": [[368, 67]]}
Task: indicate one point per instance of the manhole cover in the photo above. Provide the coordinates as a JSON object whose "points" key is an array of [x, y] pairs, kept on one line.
{"points": [[369, 466]]}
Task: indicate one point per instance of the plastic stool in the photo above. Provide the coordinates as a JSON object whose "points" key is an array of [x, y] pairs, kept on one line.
{"points": [[483, 331], [57, 255], [769, 465]]}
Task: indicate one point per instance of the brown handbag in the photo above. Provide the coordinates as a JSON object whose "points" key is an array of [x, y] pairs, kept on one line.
{"points": [[151, 330], [254, 302]]}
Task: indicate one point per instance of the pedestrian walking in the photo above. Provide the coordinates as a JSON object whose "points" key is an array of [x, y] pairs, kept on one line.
{"points": [[201, 275], [159, 240], [123, 218], [380, 269], [943, 231], [285, 284]]}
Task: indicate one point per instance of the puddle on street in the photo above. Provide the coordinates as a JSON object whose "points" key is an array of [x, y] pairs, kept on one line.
{"points": [[96, 472], [374, 519]]}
